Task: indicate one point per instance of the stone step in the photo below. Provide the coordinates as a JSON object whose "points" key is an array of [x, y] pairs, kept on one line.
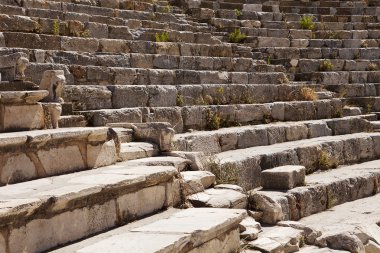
{"points": [[321, 53], [100, 75], [96, 200], [101, 97], [203, 229], [43, 153], [288, 17], [159, 61], [369, 104], [317, 153], [201, 117], [122, 47], [331, 188], [328, 10], [92, 45], [354, 220], [219, 198], [196, 181], [213, 142], [340, 77], [72, 121], [315, 65], [43, 21], [137, 150]]}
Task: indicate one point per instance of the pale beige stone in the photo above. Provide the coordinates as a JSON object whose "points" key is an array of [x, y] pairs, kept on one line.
{"points": [[101, 155], [224, 243], [43, 234], [134, 205], [21, 117], [210, 222], [53, 81], [61, 160], [3, 244], [17, 168], [55, 110], [21, 65], [139, 242]]}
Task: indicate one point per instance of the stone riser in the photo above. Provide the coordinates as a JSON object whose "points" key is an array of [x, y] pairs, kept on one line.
{"points": [[342, 77], [278, 16], [206, 117], [98, 27], [338, 186], [90, 20], [322, 53], [264, 135], [166, 233], [37, 154], [336, 150], [329, 11], [94, 75], [90, 97], [355, 90], [306, 66], [133, 47], [126, 202], [158, 61]]}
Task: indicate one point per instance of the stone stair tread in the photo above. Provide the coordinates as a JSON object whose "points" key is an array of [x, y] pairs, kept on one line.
{"points": [[358, 217], [342, 173], [137, 150], [232, 155], [196, 141], [196, 181], [62, 196], [333, 187], [174, 231], [179, 163], [219, 198], [314, 249]]}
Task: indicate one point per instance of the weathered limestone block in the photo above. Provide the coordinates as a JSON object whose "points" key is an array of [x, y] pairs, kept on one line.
{"points": [[284, 177], [160, 133], [197, 181], [17, 168], [262, 201], [21, 117], [88, 97], [101, 155], [13, 66], [129, 96], [54, 82], [219, 198], [59, 160], [53, 110]]}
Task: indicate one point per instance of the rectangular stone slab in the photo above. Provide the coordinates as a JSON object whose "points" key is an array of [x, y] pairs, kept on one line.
{"points": [[283, 177]]}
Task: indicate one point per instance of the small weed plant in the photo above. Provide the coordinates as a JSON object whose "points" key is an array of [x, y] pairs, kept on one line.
{"points": [[163, 37], [307, 22], [237, 37], [55, 28], [326, 65], [238, 13]]}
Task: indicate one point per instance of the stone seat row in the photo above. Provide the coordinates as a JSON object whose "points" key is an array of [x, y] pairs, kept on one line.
{"points": [[137, 60], [235, 23], [234, 138], [319, 53], [204, 14], [122, 96], [209, 117], [135, 7], [337, 150], [115, 47], [76, 74], [92, 45]]}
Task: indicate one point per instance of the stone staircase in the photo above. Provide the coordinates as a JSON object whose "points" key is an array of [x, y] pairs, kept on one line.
{"points": [[278, 127]]}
